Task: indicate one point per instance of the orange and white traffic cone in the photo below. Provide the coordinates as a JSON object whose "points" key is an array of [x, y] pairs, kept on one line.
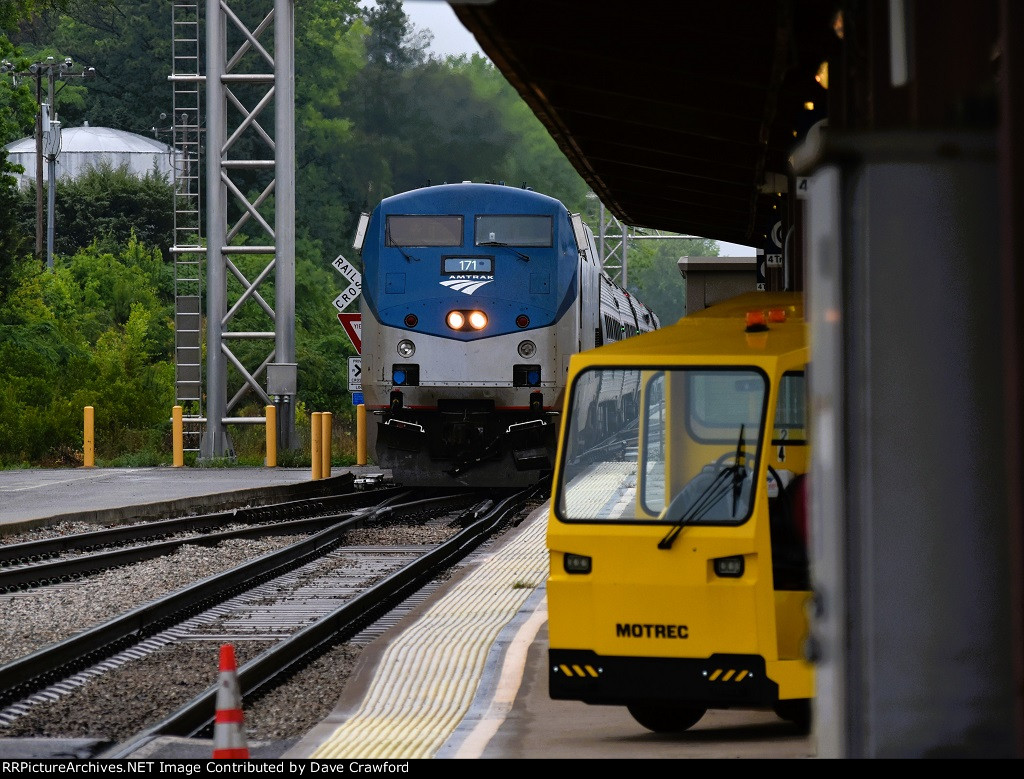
{"points": [[228, 736]]}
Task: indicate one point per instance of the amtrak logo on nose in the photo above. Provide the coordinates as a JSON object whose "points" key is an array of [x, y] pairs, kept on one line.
{"points": [[466, 286]]}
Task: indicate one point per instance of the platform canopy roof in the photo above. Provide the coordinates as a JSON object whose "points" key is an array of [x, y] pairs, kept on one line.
{"points": [[680, 115]]}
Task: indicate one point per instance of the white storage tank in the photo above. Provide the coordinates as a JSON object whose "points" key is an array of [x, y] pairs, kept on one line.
{"points": [[85, 147]]}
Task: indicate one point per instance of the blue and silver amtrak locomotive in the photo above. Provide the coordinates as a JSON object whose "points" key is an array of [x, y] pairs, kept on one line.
{"points": [[474, 296]]}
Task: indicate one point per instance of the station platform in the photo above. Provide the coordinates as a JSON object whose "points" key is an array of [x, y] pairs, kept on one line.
{"points": [[462, 676], [34, 496]]}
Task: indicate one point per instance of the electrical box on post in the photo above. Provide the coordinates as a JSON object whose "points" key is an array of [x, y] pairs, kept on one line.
{"points": [[282, 378]]}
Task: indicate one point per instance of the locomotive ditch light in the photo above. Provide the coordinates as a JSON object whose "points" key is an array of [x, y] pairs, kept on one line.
{"points": [[576, 563], [527, 349], [406, 348], [729, 567]]}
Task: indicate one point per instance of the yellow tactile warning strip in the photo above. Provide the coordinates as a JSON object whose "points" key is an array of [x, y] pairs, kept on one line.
{"points": [[427, 677]]}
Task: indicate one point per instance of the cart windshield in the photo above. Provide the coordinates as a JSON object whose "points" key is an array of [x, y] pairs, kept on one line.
{"points": [[665, 445]]}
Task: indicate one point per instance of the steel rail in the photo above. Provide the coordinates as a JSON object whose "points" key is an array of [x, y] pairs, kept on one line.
{"points": [[27, 675], [264, 523], [123, 534], [263, 673]]}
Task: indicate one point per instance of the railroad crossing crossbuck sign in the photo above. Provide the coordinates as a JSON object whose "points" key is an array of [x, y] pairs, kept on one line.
{"points": [[355, 283], [352, 322]]}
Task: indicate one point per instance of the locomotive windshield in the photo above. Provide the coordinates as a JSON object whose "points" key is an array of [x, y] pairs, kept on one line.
{"points": [[514, 230], [423, 230], [676, 445]]}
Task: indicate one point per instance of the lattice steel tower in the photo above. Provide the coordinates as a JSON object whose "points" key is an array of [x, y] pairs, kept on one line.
{"points": [[250, 263]]}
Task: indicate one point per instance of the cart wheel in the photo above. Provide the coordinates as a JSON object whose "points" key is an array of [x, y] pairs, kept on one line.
{"points": [[666, 718], [797, 711]]}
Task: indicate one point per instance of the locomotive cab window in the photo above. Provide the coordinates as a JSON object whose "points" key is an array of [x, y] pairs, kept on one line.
{"points": [[423, 230], [514, 230], [663, 445]]}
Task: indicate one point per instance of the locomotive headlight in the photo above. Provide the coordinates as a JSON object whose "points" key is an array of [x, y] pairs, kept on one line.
{"points": [[406, 348], [527, 349], [466, 320]]}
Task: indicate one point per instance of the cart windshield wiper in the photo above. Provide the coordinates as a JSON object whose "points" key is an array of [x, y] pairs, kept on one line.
{"points": [[730, 476], [708, 497], [739, 472]]}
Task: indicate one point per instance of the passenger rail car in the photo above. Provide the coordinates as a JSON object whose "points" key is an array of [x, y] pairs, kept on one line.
{"points": [[678, 574], [474, 297]]}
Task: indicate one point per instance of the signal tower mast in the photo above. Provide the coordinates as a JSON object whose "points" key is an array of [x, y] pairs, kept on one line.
{"points": [[250, 262]]}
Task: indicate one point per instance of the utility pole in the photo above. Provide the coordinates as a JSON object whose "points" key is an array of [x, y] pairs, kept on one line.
{"points": [[47, 135], [39, 169]]}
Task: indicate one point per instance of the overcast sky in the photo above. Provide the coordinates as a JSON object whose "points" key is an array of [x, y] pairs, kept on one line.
{"points": [[450, 37]]}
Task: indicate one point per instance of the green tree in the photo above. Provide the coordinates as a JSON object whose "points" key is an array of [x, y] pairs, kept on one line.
{"points": [[17, 119], [111, 204], [652, 273], [110, 283], [134, 389], [374, 115], [329, 162], [42, 355], [128, 44], [392, 45], [96, 330], [17, 102], [13, 240], [528, 155]]}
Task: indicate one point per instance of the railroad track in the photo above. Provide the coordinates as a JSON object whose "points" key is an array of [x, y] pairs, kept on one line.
{"points": [[64, 558], [332, 589]]}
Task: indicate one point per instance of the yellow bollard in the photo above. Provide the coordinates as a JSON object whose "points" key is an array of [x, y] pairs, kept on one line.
{"points": [[360, 434], [325, 444], [89, 454], [271, 436], [315, 434], [178, 436]]}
